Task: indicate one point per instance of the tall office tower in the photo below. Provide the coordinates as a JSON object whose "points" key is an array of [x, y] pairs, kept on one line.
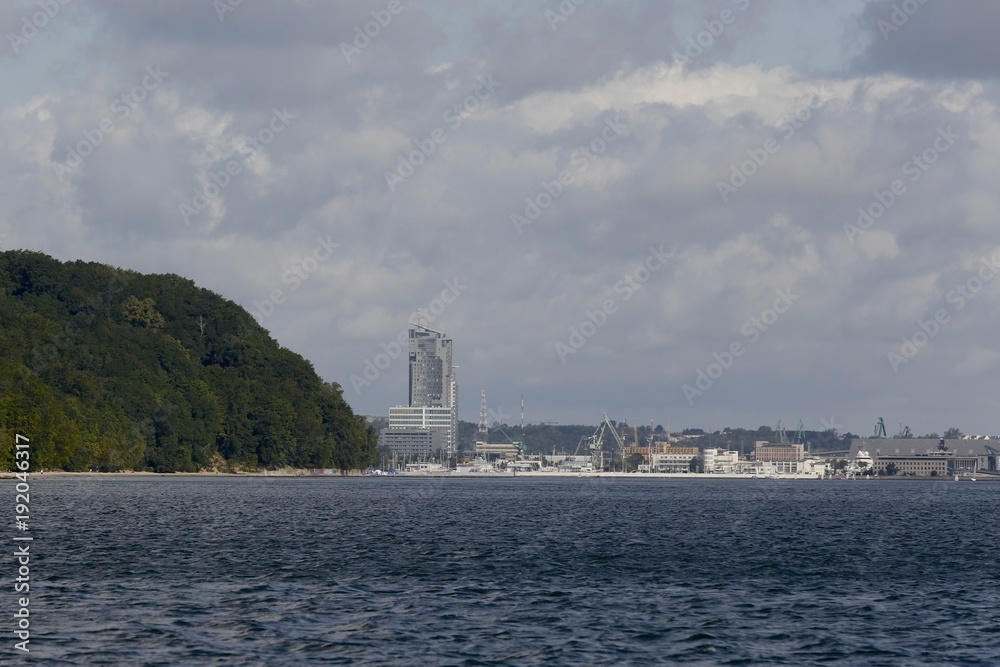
{"points": [[433, 401], [431, 375]]}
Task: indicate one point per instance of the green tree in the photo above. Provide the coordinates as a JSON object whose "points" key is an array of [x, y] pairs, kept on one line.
{"points": [[111, 369], [142, 313]]}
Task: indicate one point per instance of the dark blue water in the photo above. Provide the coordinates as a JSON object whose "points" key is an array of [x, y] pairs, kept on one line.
{"points": [[214, 571]]}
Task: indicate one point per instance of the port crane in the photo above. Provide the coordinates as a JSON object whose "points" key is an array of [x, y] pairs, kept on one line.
{"points": [[619, 440], [595, 443]]}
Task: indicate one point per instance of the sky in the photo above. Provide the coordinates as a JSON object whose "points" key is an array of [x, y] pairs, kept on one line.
{"points": [[724, 213]]}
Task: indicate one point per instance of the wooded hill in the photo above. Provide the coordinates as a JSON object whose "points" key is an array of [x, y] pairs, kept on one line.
{"points": [[108, 369]]}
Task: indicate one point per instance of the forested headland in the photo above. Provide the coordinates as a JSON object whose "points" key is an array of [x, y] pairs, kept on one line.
{"points": [[107, 369]]}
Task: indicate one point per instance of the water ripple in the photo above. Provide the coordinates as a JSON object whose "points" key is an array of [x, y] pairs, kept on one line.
{"points": [[223, 571]]}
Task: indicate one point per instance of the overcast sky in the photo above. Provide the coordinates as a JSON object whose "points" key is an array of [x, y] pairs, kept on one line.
{"points": [[648, 209]]}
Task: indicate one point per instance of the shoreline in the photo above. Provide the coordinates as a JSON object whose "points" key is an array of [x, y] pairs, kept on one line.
{"points": [[309, 473], [287, 472]]}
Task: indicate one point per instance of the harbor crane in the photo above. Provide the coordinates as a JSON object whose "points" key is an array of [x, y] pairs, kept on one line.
{"points": [[619, 440], [595, 443], [606, 426], [800, 435]]}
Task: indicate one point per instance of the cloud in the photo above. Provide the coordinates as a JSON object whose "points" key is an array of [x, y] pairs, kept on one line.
{"points": [[927, 39], [620, 149]]}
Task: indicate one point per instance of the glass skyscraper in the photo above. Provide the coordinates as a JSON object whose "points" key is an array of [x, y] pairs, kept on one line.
{"points": [[433, 401]]}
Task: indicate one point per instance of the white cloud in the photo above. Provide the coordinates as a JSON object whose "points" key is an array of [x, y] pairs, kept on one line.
{"points": [[687, 129]]}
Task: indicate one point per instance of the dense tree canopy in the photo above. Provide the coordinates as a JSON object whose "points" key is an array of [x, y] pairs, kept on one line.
{"points": [[108, 369]]}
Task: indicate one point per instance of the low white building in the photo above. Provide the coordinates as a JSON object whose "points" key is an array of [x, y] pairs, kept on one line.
{"points": [[496, 450], [808, 467], [576, 464], [425, 466], [674, 459], [720, 461]]}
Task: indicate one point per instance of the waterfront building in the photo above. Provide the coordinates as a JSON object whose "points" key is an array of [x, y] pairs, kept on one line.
{"points": [[418, 443], [496, 450], [432, 376], [928, 457], [674, 459], [782, 452], [807, 467], [786, 458], [423, 418], [655, 447], [433, 396], [720, 461], [574, 463], [917, 466], [424, 466]]}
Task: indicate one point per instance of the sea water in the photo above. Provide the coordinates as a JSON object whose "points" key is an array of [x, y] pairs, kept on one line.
{"points": [[402, 571]]}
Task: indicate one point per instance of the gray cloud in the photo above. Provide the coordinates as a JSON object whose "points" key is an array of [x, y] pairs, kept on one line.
{"points": [[929, 38], [833, 142]]}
